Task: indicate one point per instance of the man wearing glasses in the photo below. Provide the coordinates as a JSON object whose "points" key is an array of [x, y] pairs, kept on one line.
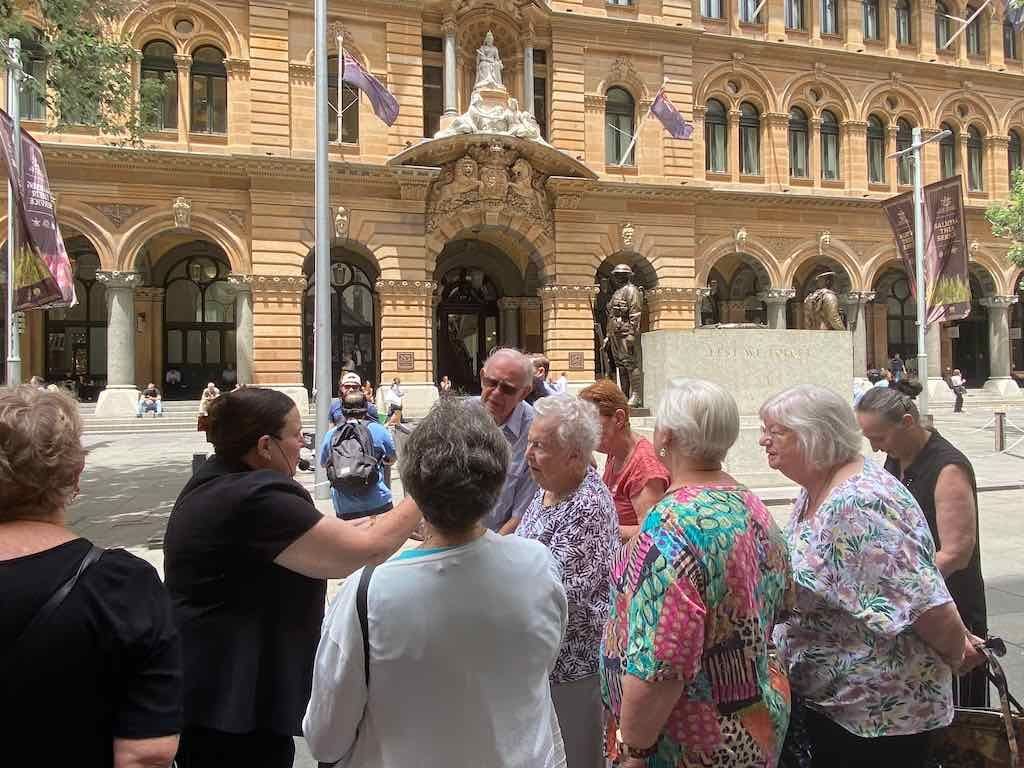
{"points": [[505, 381], [347, 384]]}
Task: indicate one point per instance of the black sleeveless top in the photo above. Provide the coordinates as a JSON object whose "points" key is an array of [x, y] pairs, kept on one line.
{"points": [[966, 586]]}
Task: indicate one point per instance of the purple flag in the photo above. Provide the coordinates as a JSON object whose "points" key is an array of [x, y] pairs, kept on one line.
{"points": [[385, 105], [670, 117]]}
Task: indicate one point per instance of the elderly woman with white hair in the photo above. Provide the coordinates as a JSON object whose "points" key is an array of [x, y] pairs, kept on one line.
{"points": [[875, 636], [687, 675], [574, 516]]}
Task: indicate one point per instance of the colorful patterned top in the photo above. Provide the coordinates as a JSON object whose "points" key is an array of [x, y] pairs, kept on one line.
{"points": [[694, 598], [582, 532], [864, 566]]}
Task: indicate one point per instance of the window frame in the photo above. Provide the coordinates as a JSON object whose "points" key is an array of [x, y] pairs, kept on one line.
{"points": [[830, 128], [943, 28], [708, 8], [871, 15], [166, 70], [719, 122], [349, 106], [750, 123], [905, 163], [975, 160], [973, 37], [829, 11], [904, 23], [876, 140], [795, 17], [1014, 148], [948, 147], [1010, 49], [798, 138], [212, 73], [614, 108]]}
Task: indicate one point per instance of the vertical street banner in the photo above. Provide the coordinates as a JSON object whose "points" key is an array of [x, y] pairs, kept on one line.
{"points": [[947, 287], [43, 277]]}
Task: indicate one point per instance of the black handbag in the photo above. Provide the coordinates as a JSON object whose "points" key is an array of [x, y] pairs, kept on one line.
{"points": [[796, 749]]}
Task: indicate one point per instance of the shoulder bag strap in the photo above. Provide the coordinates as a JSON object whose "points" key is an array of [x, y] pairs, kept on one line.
{"points": [[58, 597], [364, 622]]}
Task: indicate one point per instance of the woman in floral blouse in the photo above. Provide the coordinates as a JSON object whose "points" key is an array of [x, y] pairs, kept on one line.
{"points": [[573, 515], [875, 636], [687, 673]]}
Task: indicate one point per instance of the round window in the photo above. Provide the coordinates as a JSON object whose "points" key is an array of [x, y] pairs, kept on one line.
{"points": [[184, 27]]}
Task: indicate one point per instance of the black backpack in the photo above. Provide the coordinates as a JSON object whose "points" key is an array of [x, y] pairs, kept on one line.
{"points": [[352, 467]]}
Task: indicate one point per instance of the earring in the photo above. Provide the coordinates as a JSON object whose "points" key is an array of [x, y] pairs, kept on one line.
{"points": [[663, 453]]}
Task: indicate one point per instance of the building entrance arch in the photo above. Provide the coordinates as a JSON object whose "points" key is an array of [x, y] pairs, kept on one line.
{"points": [[199, 319], [970, 338]]}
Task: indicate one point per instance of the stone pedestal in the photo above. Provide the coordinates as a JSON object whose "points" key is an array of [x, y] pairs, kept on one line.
{"points": [[938, 389], [493, 97], [1000, 381], [120, 397], [856, 321]]}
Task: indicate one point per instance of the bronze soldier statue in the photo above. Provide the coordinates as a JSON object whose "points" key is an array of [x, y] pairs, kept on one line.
{"points": [[821, 307], [622, 333]]}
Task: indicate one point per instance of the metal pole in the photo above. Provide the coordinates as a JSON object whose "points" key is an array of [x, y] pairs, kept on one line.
{"points": [[14, 109], [322, 264], [922, 320]]}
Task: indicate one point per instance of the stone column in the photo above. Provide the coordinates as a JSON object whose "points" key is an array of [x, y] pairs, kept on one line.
{"points": [[938, 389], [857, 323], [184, 64], [121, 397], [277, 351], [1000, 381], [997, 150], [451, 108], [407, 340], [509, 321], [569, 330], [242, 285], [527, 105], [734, 144], [854, 140], [923, 33], [776, 299]]}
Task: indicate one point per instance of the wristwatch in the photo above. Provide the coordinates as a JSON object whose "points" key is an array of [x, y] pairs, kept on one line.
{"points": [[629, 752]]}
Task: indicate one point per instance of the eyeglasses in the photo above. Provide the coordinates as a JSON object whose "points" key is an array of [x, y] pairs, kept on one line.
{"points": [[510, 390]]}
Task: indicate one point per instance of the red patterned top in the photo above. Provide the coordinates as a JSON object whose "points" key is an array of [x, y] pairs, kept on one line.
{"points": [[641, 467]]}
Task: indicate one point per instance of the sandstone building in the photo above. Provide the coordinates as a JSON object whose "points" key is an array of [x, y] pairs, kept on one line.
{"points": [[196, 252]]}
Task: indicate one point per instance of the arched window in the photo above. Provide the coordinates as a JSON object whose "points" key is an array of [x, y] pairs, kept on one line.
{"points": [[1013, 155], [829, 146], [871, 19], [901, 313], [943, 26], [830, 17], [947, 152], [876, 150], [209, 91], [716, 138], [349, 107], [619, 116], [33, 59], [1009, 41], [76, 337], [904, 140], [975, 160], [747, 11], [973, 33], [711, 9], [794, 14], [797, 143], [750, 140], [904, 35], [158, 66]]}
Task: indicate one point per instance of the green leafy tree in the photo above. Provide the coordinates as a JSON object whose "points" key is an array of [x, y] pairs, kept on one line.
{"points": [[79, 68], [1007, 219]]}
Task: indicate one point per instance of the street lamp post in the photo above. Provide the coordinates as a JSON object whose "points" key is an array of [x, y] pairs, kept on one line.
{"points": [[322, 262], [12, 53]]}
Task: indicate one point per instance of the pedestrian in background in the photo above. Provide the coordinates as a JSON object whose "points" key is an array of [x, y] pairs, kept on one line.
{"points": [[897, 367], [348, 383], [574, 516], [105, 659], [632, 472], [210, 394], [393, 398], [942, 481], [446, 385], [875, 636], [958, 383], [246, 558], [688, 677], [462, 632], [540, 387]]}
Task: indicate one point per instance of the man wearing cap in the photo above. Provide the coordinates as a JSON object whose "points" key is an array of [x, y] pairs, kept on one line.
{"points": [[348, 383]]}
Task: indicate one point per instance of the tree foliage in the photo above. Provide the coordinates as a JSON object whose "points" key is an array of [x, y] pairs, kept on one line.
{"points": [[1007, 219], [88, 67]]}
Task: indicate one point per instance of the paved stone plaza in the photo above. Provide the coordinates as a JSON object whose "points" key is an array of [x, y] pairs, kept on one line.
{"points": [[132, 480]]}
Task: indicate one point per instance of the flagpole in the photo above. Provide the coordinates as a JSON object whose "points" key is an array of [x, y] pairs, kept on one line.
{"points": [[14, 109], [322, 261], [340, 107], [636, 133], [922, 320], [964, 24]]}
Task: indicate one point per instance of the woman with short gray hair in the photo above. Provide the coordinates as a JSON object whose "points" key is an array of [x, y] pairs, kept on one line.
{"points": [[687, 676], [875, 636], [453, 668], [574, 516]]}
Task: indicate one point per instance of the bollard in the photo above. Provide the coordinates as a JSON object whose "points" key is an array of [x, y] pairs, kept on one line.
{"points": [[999, 427]]}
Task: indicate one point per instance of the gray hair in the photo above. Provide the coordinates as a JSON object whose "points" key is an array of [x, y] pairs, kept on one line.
{"points": [[824, 423], [523, 361], [454, 464], [579, 428], [701, 416]]}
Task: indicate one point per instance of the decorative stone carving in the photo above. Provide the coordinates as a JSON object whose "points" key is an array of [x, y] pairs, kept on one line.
{"points": [[594, 102], [118, 213], [857, 297], [406, 287], [824, 241], [777, 295], [627, 233], [623, 69], [489, 178], [488, 65], [279, 283], [341, 223], [740, 238], [237, 67], [555, 292], [113, 279], [995, 302], [183, 213], [239, 217], [149, 293], [335, 30], [569, 201], [240, 282]]}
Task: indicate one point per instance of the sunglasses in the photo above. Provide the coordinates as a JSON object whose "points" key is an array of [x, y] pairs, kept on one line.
{"points": [[506, 389]]}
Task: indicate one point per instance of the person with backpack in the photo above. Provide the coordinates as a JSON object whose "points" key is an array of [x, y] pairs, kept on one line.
{"points": [[355, 454]]}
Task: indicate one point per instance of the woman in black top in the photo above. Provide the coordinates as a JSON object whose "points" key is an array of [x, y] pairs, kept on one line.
{"points": [[246, 558], [942, 480], [95, 681]]}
